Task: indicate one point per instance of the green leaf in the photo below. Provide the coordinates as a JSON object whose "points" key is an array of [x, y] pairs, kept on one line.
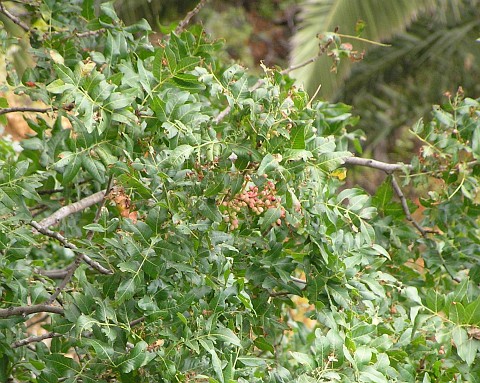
{"points": [[94, 168], [268, 164], [95, 227], [137, 357], [252, 361], [331, 161], [412, 293], [103, 350], [472, 312], [58, 86], [88, 11], [226, 335], [270, 217], [126, 290], [297, 137], [303, 359], [262, 344], [476, 143], [188, 82], [180, 154], [210, 210], [72, 168]]}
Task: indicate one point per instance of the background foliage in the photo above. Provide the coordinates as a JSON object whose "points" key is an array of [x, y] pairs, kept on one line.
{"points": [[433, 49], [173, 218]]}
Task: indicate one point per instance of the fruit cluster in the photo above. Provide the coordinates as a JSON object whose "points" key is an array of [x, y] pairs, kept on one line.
{"points": [[255, 200]]}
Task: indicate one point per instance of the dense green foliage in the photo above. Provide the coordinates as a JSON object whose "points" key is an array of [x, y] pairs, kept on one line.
{"points": [[228, 210]]}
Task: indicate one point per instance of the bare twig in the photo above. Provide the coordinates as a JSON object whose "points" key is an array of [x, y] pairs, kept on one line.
{"points": [[406, 210], [90, 33], [27, 310], [386, 167], [389, 169], [60, 238], [55, 273], [33, 339], [50, 191], [301, 65], [136, 321], [42, 319], [14, 109], [222, 114], [14, 18], [73, 208], [91, 233], [183, 24], [66, 279], [298, 280]]}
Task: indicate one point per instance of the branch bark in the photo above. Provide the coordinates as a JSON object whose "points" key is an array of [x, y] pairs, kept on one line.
{"points": [[73, 208], [14, 109], [183, 24], [14, 18], [33, 339], [27, 310], [406, 210], [60, 238], [386, 167], [389, 169]]}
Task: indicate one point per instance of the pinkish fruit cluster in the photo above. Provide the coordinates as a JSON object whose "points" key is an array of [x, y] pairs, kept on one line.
{"points": [[255, 200]]}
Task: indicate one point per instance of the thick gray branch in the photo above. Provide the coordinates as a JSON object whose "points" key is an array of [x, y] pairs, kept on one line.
{"points": [[27, 310], [386, 167], [73, 208]]}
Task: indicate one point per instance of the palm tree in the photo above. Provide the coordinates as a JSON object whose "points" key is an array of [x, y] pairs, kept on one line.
{"points": [[433, 50]]}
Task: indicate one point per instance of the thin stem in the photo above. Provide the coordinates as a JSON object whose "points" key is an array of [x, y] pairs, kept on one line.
{"points": [[403, 201], [183, 24], [14, 18], [363, 40], [301, 65]]}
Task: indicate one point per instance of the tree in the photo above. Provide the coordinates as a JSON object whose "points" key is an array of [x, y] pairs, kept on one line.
{"points": [[170, 215]]}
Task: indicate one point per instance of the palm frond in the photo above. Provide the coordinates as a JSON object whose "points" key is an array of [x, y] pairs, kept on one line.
{"points": [[383, 19]]}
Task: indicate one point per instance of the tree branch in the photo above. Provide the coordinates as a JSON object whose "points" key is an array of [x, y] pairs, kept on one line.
{"points": [[24, 108], [60, 238], [136, 321], [27, 310], [406, 210], [386, 167], [14, 18], [301, 65], [89, 33], [183, 24], [222, 114], [55, 273], [33, 339], [73, 208], [389, 169]]}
